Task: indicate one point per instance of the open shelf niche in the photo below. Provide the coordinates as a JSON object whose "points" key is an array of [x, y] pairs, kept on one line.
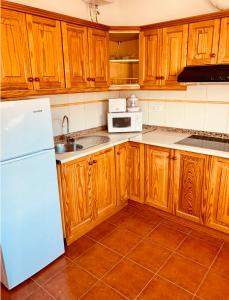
{"points": [[124, 59]]}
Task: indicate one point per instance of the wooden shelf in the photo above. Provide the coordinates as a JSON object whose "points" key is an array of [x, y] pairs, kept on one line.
{"points": [[124, 60]]}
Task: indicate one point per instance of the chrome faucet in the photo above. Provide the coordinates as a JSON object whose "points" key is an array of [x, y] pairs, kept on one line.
{"points": [[65, 118]]}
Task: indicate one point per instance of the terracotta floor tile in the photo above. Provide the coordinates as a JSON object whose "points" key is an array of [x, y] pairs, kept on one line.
{"points": [[53, 268], [20, 292], [183, 272], [121, 240], [118, 218], [98, 260], [198, 250], [206, 237], [149, 255], [214, 287], [221, 265], [102, 292], [130, 209], [135, 204], [137, 224], [177, 226], [78, 247], [70, 283], [101, 231], [150, 216], [160, 289], [128, 278], [167, 237], [40, 294]]}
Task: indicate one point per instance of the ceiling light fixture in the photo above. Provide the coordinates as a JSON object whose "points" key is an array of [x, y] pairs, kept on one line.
{"points": [[94, 8]]}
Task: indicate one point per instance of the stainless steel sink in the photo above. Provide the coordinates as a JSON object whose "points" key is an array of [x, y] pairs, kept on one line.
{"points": [[92, 140], [68, 147]]}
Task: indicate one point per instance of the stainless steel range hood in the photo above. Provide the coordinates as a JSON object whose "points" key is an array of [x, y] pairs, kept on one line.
{"points": [[207, 73]]}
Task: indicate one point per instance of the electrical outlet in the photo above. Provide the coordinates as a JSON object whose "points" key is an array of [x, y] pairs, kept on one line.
{"points": [[157, 107]]}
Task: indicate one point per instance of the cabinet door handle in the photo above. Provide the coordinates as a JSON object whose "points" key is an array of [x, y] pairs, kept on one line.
{"points": [[162, 77], [93, 79], [175, 158], [30, 79], [212, 55], [90, 163], [37, 79], [94, 161], [118, 153], [88, 79], [158, 77]]}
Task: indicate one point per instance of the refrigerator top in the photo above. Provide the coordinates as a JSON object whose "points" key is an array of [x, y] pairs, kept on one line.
{"points": [[26, 127]]}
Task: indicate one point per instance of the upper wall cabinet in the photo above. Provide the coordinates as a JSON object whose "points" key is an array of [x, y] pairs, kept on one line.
{"points": [[16, 71], [162, 55], [203, 42], [46, 52], [223, 55]]}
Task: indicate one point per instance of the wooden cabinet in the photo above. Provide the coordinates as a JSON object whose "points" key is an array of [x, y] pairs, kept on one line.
{"points": [[158, 177], [162, 55], [190, 185], [46, 52], [203, 42], [98, 43], [136, 171], [218, 197], [16, 73], [223, 55], [122, 173], [75, 48]]}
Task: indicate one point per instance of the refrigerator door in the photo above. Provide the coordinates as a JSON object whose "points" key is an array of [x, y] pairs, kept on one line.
{"points": [[31, 226], [26, 127]]}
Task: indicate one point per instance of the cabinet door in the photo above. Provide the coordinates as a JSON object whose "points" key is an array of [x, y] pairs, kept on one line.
{"points": [[218, 198], [75, 47], [79, 206], [98, 57], [158, 177], [203, 42], [136, 171], [174, 53], [104, 181], [190, 185], [223, 56], [150, 57], [122, 173], [15, 61], [46, 52]]}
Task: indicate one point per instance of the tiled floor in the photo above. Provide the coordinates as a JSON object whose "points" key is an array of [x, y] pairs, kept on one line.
{"points": [[136, 254]]}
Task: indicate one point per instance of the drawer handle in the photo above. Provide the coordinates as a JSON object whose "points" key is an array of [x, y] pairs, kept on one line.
{"points": [[212, 55], [30, 79], [158, 77], [162, 77], [37, 79], [94, 161]]}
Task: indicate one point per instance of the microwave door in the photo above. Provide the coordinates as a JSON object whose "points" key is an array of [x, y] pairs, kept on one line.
{"points": [[121, 122]]}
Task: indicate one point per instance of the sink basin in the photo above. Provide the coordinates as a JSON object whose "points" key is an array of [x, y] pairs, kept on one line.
{"points": [[68, 147], [92, 140]]}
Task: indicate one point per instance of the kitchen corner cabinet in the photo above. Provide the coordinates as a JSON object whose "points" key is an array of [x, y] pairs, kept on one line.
{"points": [[122, 173], [158, 177], [16, 73], [218, 197], [136, 172], [191, 177], [223, 55], [203, 42]]}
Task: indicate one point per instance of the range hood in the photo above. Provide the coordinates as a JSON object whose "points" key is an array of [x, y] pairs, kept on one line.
{"points": [[207, 73]]}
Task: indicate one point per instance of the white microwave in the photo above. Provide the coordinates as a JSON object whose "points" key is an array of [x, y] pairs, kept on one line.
{"points": [[124, 122]]}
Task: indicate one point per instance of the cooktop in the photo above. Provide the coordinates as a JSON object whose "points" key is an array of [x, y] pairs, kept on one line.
{"points": [[206, 142]]}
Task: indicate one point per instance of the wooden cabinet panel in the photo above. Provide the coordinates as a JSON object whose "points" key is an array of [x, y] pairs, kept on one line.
{"points": [[223, 56], [158, 177], [46, 52], [122, 173], [174, 53], [136, 171], [218, 198], [79, 205], [203, 42], [190, 185], [150, 56], [15, 60], [75, 48], [104, 181], [98, 57]]}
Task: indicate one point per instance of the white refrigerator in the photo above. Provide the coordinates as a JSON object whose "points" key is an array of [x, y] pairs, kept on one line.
{"points": [[31, 229]]}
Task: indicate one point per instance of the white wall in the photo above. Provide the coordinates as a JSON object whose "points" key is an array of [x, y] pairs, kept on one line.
{"points": [[127, 12]]}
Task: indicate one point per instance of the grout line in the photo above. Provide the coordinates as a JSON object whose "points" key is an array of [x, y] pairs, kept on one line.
{"points": [[206, 274], [43, 288]]}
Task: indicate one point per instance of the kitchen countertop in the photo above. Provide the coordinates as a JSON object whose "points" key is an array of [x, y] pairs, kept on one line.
{"points": [[151, 136]]}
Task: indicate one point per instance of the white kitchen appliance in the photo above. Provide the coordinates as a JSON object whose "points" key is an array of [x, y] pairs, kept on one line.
{"points": [[124, 121], [117, 105], [30, 209], [132, 104]]}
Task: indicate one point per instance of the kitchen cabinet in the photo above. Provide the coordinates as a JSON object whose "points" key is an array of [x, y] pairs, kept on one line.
{"points": [[203, 42], [190, 185], [136, 172], [218, 197], [158, 177], [75, 49], [223, 55], [46, 52], [163, 56], [16, 73], [122, 173]]}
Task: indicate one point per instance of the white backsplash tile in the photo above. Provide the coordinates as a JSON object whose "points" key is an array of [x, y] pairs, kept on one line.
{"points": [[157, 117], [196, 92], [145, 111], [77, 118], [194, 115], [57, 117], [216, 117], [219, 92], [175, 114]]}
